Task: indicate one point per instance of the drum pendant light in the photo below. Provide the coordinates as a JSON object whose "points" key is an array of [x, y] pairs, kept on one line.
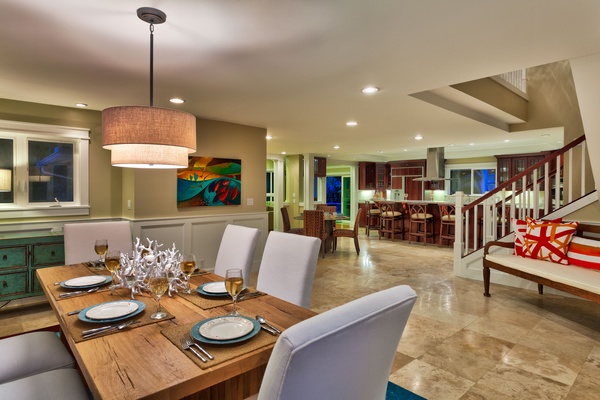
{"points": [[148, 137]]}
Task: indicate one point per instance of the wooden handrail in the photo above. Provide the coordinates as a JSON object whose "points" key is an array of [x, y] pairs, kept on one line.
{"points": [[541, 163]]}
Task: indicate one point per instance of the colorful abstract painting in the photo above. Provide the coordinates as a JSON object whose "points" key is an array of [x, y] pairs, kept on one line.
{"points": [[209, 181]]}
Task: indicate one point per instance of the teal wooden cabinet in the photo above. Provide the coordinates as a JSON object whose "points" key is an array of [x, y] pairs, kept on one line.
{"points": [[21, 254]]}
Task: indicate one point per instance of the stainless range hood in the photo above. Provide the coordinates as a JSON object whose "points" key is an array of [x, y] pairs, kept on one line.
{"points": [[435, 165]]}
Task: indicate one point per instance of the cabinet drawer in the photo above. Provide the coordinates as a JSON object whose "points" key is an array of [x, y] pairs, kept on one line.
{"points": [[14, 283], [13, 257], [48, 254]]}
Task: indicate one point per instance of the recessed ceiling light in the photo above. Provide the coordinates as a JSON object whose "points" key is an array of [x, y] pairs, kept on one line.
{"points": [[506, 140], [405, 149], [451, 144], [546, 135], [370, 90], [380, 151], [418, 137], [268, 137], [81, 104], [177, 100], [351, 123], [471, 144], [336, 147], [283, 152]]}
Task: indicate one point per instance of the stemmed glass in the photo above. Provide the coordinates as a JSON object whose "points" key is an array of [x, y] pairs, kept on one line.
{"points": [[234, 284], [101, 247], [158, 283], [112, 261], [188, 266]]}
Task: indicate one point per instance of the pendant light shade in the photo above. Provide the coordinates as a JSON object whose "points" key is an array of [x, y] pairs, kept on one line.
{"points": [[5, 180], [148, 137]]}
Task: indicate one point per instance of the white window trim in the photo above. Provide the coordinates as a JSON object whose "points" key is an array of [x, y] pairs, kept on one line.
{"points": [[488, 165], [81, 202]]}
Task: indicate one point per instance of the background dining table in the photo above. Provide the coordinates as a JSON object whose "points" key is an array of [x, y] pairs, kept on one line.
{"points": [[329, 221], [141, 361]]}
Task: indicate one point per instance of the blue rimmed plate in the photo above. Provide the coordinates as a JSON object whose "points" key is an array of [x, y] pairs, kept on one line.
{"points": [[214, 289], [136, 306], [86, 282], [218, 327]]}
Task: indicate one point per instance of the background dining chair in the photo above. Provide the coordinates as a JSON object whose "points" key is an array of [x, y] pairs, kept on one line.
{"points": [[350, 233], [32, 353], [63, 384], [287, 268], [287, 227], [314, 225], [344, 353], [80, 238], [237, 250], [326, 208]]}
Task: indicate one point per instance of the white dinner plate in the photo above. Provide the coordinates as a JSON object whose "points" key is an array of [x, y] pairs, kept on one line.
{"points": [[215, 288], [85, 281], [113, 309], [226, 328]]}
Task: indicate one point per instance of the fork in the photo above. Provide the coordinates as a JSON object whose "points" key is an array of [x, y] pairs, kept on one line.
{"points": [[191, 342], [186, 346]]}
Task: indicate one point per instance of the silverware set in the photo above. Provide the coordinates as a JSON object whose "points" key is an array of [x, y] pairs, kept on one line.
{"points": [[187, 343], [250, 295], [77, 293], [267, 326], [97, 331]]}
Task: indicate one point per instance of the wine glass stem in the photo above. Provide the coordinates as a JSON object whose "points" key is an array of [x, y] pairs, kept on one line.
{"points": [[158, 310]]}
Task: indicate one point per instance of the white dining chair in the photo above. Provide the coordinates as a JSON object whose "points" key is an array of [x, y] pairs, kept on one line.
{"points": [[63, 384], [80, 238], [344, 353], [32, 353], [288, 265], [237, 250]]}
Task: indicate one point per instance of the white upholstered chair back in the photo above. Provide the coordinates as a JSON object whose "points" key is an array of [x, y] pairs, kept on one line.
{"points": [[288, 265], [80, 239], [344, 353], [237, 250]]}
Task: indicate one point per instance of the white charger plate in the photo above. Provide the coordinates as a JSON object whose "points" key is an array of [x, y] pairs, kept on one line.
{"points": [[85, 281], [113, 309], [215, 288], [226, 328]]}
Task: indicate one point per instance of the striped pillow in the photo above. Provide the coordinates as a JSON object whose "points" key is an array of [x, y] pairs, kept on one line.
{"points": [[584, 252], [548, 241]]}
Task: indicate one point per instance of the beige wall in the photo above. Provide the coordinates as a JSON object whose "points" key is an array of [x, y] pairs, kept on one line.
{"points": [[152, 192]]}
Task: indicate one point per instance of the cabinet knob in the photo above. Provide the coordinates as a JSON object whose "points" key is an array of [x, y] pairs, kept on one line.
{"points": [[5, 257], [53, 253], [4, 284]]}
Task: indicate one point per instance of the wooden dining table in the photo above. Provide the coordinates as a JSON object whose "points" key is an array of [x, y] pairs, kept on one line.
{"points": [[142, 360]]}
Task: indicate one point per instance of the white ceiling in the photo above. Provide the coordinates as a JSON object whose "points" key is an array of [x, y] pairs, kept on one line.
{"points": [[296, 67]]}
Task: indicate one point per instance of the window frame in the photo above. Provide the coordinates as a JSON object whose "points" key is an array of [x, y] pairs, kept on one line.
{"points": [[472, 167], [21, 133]]}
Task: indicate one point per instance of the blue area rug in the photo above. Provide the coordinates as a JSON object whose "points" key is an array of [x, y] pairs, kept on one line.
{"points": [[395, 392]]}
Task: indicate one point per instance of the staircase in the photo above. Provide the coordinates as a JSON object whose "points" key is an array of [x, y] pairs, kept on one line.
{"points": [[554, 187]]}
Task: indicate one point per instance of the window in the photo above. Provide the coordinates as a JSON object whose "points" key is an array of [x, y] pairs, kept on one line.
{"points": [[49, 170], [270, 187], [472, 180]]}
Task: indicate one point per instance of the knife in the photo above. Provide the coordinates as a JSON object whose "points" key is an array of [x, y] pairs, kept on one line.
{"points": [[108, 328], [271, 331], [64, 295]]}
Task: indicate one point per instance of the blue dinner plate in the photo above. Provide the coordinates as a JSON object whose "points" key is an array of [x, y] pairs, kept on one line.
{"points": [[107, 279], [82, 317], [200, 290], [196, 332]]}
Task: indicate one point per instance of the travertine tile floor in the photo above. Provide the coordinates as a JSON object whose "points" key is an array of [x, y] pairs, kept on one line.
{"points": [[458, 344]]}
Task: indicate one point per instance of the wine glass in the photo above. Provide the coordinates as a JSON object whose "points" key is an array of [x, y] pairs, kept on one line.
{"points": [[101, 247], [188, 266], [112, 261], [234, 283], [158, 283]]}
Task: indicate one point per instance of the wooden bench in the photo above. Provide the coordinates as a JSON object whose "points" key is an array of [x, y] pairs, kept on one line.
{"points": [[578, 281]]}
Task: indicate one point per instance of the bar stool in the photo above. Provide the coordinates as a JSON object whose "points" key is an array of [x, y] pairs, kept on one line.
{"points": [[373, 215], [421, 222], [389, 221], [447, 223]]}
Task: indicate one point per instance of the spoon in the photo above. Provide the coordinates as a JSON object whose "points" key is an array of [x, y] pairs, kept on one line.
{"points": [[261, 320]]}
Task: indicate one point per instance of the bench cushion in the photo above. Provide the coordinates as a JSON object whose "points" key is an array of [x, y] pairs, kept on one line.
{"points": [[582, 278]]}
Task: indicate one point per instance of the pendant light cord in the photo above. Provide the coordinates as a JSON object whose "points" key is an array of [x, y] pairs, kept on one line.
{"points": [[151, 64]]}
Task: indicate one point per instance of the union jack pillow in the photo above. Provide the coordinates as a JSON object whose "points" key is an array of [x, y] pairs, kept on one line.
{"points": [[520, 229], [548, 241]]}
